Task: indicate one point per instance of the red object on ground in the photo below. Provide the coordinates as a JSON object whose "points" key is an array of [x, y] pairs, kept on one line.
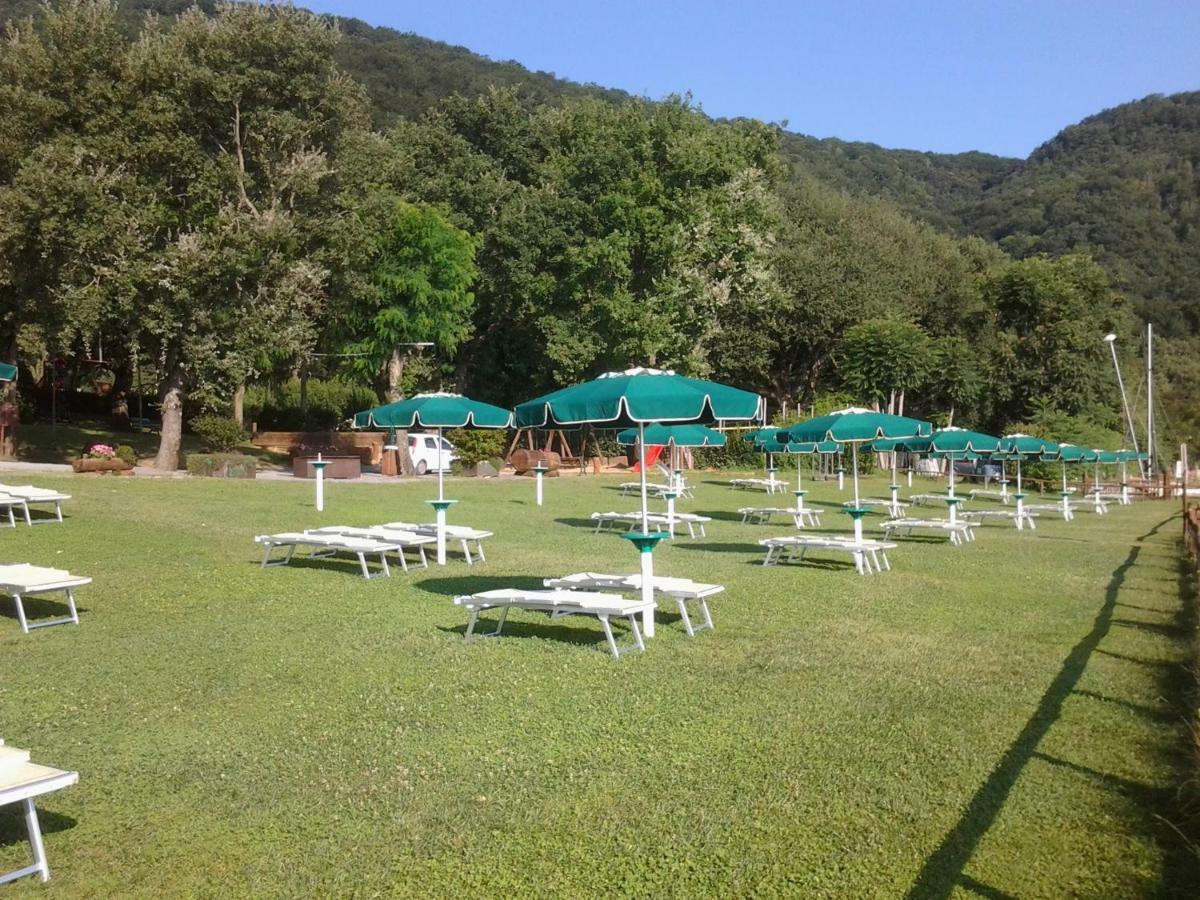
{"points": [[653, 452]]}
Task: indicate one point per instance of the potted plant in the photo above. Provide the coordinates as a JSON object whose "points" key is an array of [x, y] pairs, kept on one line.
{"points": [[102, 458]]}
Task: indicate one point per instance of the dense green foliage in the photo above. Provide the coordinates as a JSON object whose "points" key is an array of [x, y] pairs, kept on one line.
{"points": [[218, 433]]}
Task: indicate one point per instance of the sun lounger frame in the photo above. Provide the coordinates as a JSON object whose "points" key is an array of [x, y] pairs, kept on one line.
{"points": [[870, 556], [20, 590], [958, 533], [558, 603], [42, 780], [681, 590], [325, 549]]}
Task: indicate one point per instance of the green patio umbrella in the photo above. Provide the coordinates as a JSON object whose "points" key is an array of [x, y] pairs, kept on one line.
{"points": [[636, 398], [8, 372], [1069, 453], [435, 411], [672, 437], [1125, 456], [855, 426], [766, 441], [1020, 447], [1101, 458], [953, 444]]}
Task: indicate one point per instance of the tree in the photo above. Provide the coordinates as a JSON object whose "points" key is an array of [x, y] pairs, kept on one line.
{"points": [[422, 271], [881, 359]]}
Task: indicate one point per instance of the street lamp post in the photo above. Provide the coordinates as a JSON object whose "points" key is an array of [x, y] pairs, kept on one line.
{"points": [[1111, 340]]}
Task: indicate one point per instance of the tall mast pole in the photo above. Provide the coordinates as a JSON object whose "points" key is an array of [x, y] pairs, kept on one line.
{"points": [[1150, 397]]}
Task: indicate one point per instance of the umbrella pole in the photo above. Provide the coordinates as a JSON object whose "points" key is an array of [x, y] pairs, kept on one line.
{"points": [[1020, 499], [647, 554], [441, 473], [894, 488], [1066, 503]]}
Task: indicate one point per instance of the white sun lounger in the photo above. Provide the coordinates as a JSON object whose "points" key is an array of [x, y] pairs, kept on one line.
{"points": [[978, 516], [869, 555], [958, 532], [761, 515], [22, 580], [988, 492], [21, 781], [653, 490], [1051, 508], [11, 505], [35, 496], [559, 603], [900, 510], [407, 540], [465, 535], [681, 590], [929, 499], [657, 521], [327, 545], [770, 485]]}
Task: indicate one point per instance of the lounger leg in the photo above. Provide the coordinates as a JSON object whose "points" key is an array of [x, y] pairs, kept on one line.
{"points": [[424, 558], [21, 613], [479, 550], [612, 642], [683, 614], [28, 515], [58, 514], [403, 561], [12, 519], [467, 553], [71, 605]]}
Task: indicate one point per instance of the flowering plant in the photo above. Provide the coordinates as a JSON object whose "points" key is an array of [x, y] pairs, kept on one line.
{"points": [[100, 451]]}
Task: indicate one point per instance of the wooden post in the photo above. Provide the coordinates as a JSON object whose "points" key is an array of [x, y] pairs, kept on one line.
{"points": [[1183, 466]]}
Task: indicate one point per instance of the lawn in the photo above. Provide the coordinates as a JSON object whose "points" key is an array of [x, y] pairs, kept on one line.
{"points": [[1001, 719]]}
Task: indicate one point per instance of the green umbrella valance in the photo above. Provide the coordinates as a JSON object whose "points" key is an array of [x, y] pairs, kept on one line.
{"points": [[8, 372], [638, 396], [438, 410], [855, 425], [659, 435]]}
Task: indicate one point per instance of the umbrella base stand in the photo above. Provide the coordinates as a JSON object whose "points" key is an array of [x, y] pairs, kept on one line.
{"points": [[895, 510], [646, 544], [841, 473], [1066, 506], [953, 502], [857, 515], [800, 501], [538, 472], [670, 496], [440, 507], [1004, 482]]}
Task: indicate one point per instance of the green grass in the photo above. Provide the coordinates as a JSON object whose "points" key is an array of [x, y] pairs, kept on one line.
{"points": [[998, 719]]}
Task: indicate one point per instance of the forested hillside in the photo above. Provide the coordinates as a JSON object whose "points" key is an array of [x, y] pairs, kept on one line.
{"points": [[1122, 185]]}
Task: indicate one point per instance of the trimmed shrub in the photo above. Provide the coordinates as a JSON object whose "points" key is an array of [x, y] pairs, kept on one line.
{"points": [[476, 445], [221, 465], [127, 454], [330, 402], [218, 433]]}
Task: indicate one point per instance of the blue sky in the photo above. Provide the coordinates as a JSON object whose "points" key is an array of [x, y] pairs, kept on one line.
{"points": [[948, 76]]}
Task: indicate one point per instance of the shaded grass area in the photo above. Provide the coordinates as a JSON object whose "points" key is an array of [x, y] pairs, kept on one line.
{"points": [[63, 443], [1001, 719]]}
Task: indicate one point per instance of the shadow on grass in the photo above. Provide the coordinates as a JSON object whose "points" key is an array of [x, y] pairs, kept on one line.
{"points": [[943, 871], [39, 607], [12, 824]]}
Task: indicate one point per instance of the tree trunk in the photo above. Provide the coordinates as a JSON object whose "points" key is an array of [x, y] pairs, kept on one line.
{"points": [[239, 404], [393, 391], [950, 419], [122, 384], [171, 406], [900, 411], [8, 395], [393, 372]]}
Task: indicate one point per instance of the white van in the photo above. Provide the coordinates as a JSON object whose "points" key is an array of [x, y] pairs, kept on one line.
{"points": [[423, 451]]}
